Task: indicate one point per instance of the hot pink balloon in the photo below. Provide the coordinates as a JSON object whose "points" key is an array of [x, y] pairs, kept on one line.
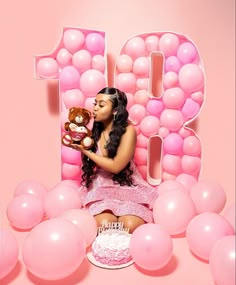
{"points": [[222, 261], [151, 247], [25, 211], [61, 198], [9, 251], [31, 187], [69, 78], [54, 249], [208, 196], [95, 42], [173, 210], [84, 221], [154, 107], [172, 63], [229, 215], [173, 143], [204, 230], [190, 108]]}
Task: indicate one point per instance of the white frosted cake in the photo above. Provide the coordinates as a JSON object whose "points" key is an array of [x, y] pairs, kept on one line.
{"points": [[111, 246]]}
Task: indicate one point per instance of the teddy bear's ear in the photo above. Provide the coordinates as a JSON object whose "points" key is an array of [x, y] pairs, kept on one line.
{"points": [[71, 110], [87, 112]]}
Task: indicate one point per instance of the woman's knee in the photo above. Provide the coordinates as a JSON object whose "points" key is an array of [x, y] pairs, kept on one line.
{"points": [[105, 218], [131, 222]]}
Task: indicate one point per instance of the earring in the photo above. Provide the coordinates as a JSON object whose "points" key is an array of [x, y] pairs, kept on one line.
{"points": [[114, 117]]}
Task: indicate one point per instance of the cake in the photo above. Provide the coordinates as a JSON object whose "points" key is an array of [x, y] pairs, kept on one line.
{"points": [[111, 246]]}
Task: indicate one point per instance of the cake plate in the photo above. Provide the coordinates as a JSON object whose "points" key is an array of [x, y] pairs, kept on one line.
{"points": [[106, 266]]}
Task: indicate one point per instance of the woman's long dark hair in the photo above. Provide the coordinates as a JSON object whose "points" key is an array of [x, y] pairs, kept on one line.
{"points": [[119, 102]]}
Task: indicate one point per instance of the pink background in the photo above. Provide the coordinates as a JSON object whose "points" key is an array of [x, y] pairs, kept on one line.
{"points": [[30, 132]]}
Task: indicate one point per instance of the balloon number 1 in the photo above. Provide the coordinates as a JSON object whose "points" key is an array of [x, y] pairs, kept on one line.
{"points": [[163, 77]]}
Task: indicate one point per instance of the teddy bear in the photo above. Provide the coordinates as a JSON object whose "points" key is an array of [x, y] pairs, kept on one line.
{"points": [[76, 130]]}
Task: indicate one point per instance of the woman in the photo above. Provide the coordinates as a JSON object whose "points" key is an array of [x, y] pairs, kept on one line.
{"points": [[112, 189]]}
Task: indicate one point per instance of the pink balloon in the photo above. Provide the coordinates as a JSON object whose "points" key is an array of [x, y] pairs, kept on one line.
{"points": [[64, 57], [71, 171], [186, 52], [25, 211], [190, 108], [186, 180], [70, 155], [222, 261], [140, 156], [9, 251], [61, 198], [171, 185], [172, 119], [95, 42], [137, 113], [54, 249], [141, 97], [124, 63], [151, 247], [229, 215], [126, 82], [208, 196], [173, 98], [73, 40], [192, 146], [47, 68], [98, 63], [82, 60], [170, 79], [142, 141], [135, 47], [204, 230], [172, 63], [169, 44], [73, 97], [141, 66], [171, 163], [142, 83], [149, 126], [191, 164], [84, 221], [69, 78], [191, 77], [173, 143], [91, 82], [154, 107], [31, 187], [151, 43], [173, 210]]}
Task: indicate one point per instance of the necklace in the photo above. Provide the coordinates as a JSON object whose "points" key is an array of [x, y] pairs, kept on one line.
{"points": [[106, 141]]}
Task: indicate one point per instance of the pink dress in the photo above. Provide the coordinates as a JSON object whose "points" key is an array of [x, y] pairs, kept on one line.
{"points": [[104, 194]]}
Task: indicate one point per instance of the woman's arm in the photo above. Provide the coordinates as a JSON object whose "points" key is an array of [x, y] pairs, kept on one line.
{"points": [[124, 154]]}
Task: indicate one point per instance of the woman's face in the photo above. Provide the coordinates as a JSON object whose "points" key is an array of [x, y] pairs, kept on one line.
{"points": [[102, 110]]}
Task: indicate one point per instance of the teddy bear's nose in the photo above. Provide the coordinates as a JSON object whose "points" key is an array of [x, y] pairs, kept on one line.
{"points": [[79, 119]]}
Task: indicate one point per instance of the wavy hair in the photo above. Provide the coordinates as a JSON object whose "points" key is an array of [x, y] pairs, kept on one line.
{"points": [[119, 102]]}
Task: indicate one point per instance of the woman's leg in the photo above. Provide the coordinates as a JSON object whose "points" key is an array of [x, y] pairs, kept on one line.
{"points": [[131, 222], [105, 218]]}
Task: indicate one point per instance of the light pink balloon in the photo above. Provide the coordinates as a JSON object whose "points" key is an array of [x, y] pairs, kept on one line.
{"points": [[154, 107], [173, 210], [191, 77], [172, 119], [135, 47], [98, 63], [84, 221], [95, 42], [70, 171], [61, 198], [208, 196], [229, 215], [172, 63], [173, 143], [190, 108], [186, 180], [171, 163], [222, 261], [186, 52], [126, 82], [73, 40], [140, 156], [142, 141], [142, 83], [151, 43], [69, 78], [171, 185], [141, 97], [173, 98], [25, 211], [191, 164], [192, 146], [204, 230], [151, 247], [54, 249], [170, 79], [64, 57], [9, 251], [149, 126], [31, 187], [91, 82], [137, 113], [168, 44], [47, 67], [73, 97], [89, 105], [70, 155], [141, 66], [82, 60], [124, 63]]}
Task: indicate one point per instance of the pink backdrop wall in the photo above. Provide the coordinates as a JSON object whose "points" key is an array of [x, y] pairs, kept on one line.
{"points": [[30, 133]]}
